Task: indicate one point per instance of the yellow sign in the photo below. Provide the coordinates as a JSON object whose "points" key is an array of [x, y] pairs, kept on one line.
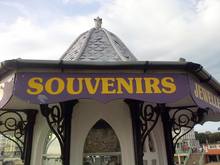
{"points": [[104, 85]]}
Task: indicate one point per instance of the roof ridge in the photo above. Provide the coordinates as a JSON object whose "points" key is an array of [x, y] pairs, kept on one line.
{"points": [[73, 43], [113, 45], [84, 45]]}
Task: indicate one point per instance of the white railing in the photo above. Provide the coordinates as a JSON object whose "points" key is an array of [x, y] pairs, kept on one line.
{"points": [[49, 159]]}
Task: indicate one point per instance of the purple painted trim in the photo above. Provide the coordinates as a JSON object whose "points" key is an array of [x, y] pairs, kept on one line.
{"points": [[21, 86], [203, 96]]}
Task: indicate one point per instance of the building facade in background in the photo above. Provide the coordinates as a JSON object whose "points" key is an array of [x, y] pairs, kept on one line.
{"points": [[212, 152]]}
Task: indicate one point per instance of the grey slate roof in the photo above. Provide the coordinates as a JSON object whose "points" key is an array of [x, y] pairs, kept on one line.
{"points": [[98, 44]]}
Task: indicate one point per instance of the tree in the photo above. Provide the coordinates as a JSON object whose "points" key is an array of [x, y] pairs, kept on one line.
{"points": [[208, 137]]}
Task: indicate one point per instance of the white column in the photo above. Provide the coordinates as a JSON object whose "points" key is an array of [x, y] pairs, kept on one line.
{"points": [[40, 132], [115, 113]]}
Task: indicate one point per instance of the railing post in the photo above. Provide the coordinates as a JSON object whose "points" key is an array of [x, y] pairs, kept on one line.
{"points": [[28, 137]]}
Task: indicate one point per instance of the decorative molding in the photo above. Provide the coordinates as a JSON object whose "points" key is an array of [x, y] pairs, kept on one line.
{"points": [[59, 120], [144, 118], [186, 118], [148, 117], [17, 126], [174, 119]]}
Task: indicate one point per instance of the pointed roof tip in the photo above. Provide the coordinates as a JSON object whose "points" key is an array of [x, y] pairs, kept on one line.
{"points": [[98, 22], [98, 44]]}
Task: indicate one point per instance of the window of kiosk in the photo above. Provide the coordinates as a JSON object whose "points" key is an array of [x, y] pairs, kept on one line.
{"points": [[102, 146], [52, 152]]}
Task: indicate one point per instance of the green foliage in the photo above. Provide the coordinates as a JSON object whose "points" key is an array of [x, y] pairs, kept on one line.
{"points": [[208, 137]]}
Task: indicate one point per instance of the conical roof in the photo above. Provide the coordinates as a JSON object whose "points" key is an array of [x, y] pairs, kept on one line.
{"points": [[98, 44]]}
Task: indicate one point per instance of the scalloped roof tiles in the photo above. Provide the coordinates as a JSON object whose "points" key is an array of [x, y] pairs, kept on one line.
{"points": [[98, 44]]}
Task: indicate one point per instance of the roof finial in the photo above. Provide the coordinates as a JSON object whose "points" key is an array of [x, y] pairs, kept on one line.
{"points": [[98, 22]]}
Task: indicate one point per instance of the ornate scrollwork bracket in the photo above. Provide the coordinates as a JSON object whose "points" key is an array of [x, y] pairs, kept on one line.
{"points": [[17, 126], [183, 120], [149, 116], [59, 120], [177, 122], [144, 118]]}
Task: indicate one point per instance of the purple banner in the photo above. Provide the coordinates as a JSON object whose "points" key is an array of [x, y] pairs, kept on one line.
{"points": [[44, 88], [204, 97]]}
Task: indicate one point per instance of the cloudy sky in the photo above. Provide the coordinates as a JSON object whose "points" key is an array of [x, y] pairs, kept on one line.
{"points": [[152, 29]]}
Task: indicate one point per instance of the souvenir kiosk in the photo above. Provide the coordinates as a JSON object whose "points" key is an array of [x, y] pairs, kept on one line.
{"points": [[103, 106]]}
